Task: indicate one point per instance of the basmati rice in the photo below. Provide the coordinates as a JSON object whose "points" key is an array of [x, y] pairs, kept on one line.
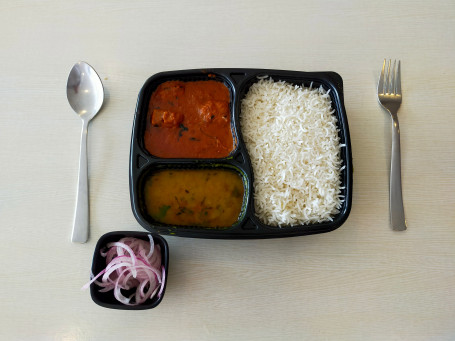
{"points": [[292, 138]]}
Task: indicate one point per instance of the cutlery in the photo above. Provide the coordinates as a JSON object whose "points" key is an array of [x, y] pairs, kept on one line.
{"points": [[85, 94], [389, 96]]}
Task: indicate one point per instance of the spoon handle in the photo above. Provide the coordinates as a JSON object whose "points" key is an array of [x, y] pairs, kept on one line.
{"points": [[81, 215]]}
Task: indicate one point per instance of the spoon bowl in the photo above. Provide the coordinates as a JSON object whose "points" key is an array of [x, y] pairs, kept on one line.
{"points": [[84, 90], [85, 94]]}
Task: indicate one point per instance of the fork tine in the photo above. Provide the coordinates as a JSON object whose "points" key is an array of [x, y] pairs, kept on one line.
{"points": [[399, 78], [393, 78], [381, 80], [388, 78]]}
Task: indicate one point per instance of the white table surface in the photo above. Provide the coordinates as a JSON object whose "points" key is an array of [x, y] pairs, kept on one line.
{"points": [[360, 282]]}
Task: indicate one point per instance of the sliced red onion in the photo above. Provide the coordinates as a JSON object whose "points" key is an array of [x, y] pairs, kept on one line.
{"points": [[132, 264], [163, 279]]}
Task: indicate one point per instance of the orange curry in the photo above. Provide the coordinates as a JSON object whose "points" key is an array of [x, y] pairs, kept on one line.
{"points": [[189, 120]]}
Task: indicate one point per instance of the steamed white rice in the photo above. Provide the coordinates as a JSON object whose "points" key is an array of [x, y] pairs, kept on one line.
{"points": [[292, 138]]}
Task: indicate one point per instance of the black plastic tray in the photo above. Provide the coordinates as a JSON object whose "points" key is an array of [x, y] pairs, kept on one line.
{"points": [[238, 82]]}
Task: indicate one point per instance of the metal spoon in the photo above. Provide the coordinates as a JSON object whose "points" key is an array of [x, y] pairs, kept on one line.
{"points": [[85, 95]]}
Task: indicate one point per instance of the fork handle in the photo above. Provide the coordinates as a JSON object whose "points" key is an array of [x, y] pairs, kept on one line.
{"points": [[397, 218]]}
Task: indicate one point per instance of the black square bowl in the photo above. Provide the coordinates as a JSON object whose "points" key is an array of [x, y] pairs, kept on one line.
{"points": [[107, 299], [238, 81]]}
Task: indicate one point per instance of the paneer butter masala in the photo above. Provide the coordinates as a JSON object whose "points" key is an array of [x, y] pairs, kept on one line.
{"points": [[189, 120]]}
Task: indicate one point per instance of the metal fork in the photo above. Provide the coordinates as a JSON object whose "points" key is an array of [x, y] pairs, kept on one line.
{"points": [[389, 96]]}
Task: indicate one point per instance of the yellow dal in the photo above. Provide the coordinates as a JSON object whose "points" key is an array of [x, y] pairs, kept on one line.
{"points": [[194, 197]]}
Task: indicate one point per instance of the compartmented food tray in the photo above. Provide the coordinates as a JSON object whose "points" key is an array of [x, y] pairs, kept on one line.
{"points": [[156, 176]]}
